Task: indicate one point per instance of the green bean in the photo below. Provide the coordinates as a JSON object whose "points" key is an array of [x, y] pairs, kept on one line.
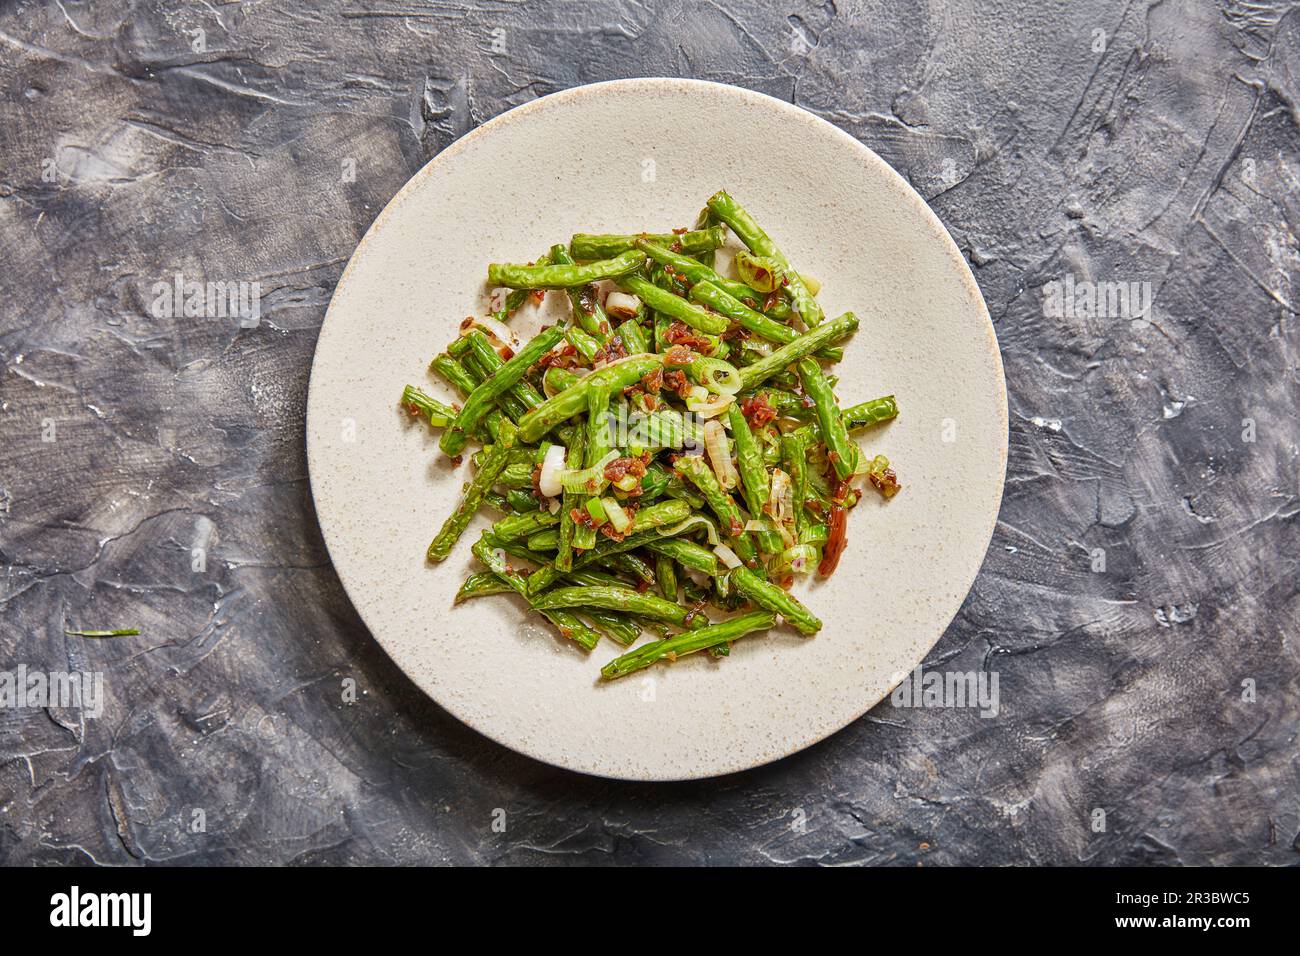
{"points": [[659, 515], [523, 525], [697, 470], [673, 305], [633, 566], [663, 428], [567, 623], [794, 449], [595, 578], [754, 375], [688, 643], [481, 399], [481, 584], [517, 297], [666, 575], [869, 413], [573, 400], [491, 362], [459, 519], [576, 456], [465, 383], [435, 412], [587, 311], [644, 528], [547, 540], [752, 235], [772, 598], [754, 484], [562, 276], [841, 449], [557, 379], [722, 302], [686, 553], [586, 345], [617, 627], [587, 246], [694, 270], [627, 600], [633, 337]]}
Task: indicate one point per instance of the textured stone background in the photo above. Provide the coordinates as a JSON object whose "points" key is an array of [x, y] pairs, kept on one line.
{"points": [[129, 150]]}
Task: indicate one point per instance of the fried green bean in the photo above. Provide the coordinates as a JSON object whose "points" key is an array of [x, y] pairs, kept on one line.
{"points": [[484, 395], [588, 313], [458, 521], [587, 246], [666, 576], [563, 276], [673, 305], [694, 270], [688, 643], [840, 448], [761, 244], [755, 486], [870, 413], [481, 584], [769, 596], [573, 400], [722, 302], [567, 623], [751, 376], [626, 600]]}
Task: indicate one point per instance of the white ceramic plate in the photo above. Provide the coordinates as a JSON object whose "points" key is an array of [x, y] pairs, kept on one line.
{"points": [[622, 157]]}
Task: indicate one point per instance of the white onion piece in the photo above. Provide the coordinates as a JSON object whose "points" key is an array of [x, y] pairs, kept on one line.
{"points": [[710, 529], [710, 406], [622, 305], [552, 464], [727, 556], [718, 446], [498, 332], [780, 498], [554, 506]]}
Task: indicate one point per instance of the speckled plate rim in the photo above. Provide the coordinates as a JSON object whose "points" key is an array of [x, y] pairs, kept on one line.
{"points": [[890, 176]]}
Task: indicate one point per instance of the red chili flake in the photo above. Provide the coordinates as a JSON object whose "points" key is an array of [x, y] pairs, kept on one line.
{"points": [[466, 322], [835, 541], [885, 482], [537, 295], [612, 350], [582, 517], [679, 231], [653, 381], [455, 462], [735, 333], [506, 352], [679, 333], [772, 299], [414, 409], [676, 380], [758, 411], [566, 357], [642, 586], [587, 299], [620, 467], [651, 403], [675, 247]]}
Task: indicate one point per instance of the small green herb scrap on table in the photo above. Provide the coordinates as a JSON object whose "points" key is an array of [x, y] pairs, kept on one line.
{"points": [[674, 449]]}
